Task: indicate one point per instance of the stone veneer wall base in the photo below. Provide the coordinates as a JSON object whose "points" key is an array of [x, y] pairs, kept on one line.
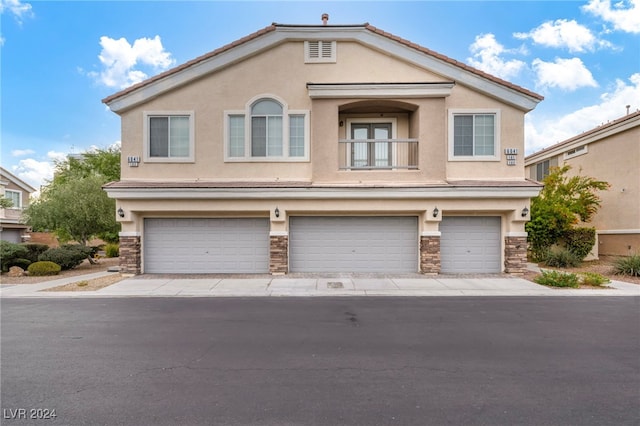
{"points": [[130, 256], [430, 255], [278, 254], [515, 255]]}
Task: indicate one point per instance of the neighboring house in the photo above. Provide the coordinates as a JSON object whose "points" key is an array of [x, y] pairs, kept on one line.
{"points": [[321, 148], [610, 152], [11, 227]]}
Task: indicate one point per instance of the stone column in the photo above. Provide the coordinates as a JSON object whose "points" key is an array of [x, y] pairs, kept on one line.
{"points": [[130, 255], [515, 255], [430, 254], [278, 254]]}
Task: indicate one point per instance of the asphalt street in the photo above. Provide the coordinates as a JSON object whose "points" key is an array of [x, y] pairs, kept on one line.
{"points": [[321, 361]]}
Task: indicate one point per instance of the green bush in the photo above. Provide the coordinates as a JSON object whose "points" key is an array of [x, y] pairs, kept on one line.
{"points": [[112, 250], [44, 268], [67, 256], [558, 279], [35, 250], [561, 258], [628, 265], [22, 263], [580, 241], [592, 279], [10, 252]]}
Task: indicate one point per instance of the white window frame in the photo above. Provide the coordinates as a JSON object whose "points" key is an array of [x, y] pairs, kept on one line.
{"points": [[497, 131], [246, 113], [576, 152], [19, 205], [146, 134]]}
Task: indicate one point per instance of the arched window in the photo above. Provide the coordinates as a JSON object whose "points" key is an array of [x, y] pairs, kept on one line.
{"points": [[267, 130]]}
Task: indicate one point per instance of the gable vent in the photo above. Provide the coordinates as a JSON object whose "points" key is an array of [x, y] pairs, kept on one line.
{"points": [[320, 51]]}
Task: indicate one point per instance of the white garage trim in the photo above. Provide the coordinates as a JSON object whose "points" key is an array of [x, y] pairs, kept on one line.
{"points": [[198, 245], [470, 244], [353, 244]]}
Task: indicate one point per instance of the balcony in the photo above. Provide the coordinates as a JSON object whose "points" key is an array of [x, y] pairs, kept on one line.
{"points": [[378, 154]]}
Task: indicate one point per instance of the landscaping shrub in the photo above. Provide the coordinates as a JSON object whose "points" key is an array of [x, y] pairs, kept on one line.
{"points": [[67, 256], [558, 279], [561, 258], [629, 265], [10, 252], [35, 250], [580, 241], [44, 268], [592, 279], [23, 263], [112, 250]]}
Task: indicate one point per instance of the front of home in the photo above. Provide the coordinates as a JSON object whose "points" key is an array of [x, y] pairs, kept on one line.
{"points": [[323, 148]]}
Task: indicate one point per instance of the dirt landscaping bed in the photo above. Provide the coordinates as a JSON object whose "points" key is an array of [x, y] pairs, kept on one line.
{"points": [[602, 266], [84, 268]]}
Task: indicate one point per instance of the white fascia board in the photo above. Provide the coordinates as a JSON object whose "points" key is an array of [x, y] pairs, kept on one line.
{"points": [[376, 91], [320, 193], [493, 89], [358, 33], [196, 71]]}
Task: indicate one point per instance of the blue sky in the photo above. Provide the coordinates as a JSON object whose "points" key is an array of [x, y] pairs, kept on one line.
{"points": [[59, 59]]}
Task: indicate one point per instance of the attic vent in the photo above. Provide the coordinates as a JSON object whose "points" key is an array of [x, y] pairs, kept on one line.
{"points": [[319, 51]]}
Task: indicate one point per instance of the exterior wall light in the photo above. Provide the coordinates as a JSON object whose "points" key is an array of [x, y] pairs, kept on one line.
{"points": [[277, 212], [435, 212], [120, 212], [525, 212]]}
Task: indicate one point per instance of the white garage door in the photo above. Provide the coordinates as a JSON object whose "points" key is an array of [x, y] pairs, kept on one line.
{"points": [[192, 246], [353, 244], [470, 245]]}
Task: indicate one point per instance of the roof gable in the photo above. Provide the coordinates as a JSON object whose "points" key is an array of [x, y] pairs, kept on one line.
{"points": [[366, 34], [6, 175]]}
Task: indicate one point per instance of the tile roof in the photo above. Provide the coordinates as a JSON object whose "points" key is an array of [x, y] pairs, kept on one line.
{"points": [[274, 26], [630, 116]]}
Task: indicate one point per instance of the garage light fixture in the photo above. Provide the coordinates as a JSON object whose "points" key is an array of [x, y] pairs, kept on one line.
{"points": [[120, 212], [435, 212], [525, 212], [277, 212]]}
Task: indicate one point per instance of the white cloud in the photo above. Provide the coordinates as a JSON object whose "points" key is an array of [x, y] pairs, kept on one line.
{"points": [[624, 15], [562, 33], [612, 105], [122, 61], [22, 152], [566, 74], [18, 9], [36, 172], [487, 56]]}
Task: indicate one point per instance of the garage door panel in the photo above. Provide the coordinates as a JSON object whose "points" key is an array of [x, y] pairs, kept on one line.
{"points": [[470, 245], [353, 244], [206, 245]]}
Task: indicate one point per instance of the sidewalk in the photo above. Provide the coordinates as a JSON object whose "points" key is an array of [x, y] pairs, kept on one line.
{"points": [[285, 286]]}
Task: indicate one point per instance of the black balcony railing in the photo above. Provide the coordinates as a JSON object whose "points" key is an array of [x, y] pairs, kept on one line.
{"points": [[378, 154]]}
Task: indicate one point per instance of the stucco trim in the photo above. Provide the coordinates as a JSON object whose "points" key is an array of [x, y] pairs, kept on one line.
{"points": [[379, 90], [320, 193], [515, 234], [431, 234], [278, 234], [130, 234], [618, 231]]}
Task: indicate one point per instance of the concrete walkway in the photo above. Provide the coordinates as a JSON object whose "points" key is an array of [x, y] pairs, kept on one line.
{"points": [[285, 286]]}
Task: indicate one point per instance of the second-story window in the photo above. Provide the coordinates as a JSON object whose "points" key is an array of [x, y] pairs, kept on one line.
{"points": [[169, 137], [474, 135], [15, 197], [267, 131]]}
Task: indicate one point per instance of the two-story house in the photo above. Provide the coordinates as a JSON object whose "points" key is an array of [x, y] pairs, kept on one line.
{"points": [[609, 152], [323, 148], [15, 189]]}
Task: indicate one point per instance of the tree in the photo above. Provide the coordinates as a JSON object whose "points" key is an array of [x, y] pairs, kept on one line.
{"points": [[73, 205], [563, 202]]}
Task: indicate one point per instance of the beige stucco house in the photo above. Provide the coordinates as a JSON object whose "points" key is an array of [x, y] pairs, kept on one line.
{"points": [[12, 228], [323, 148], [610, 152]]}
